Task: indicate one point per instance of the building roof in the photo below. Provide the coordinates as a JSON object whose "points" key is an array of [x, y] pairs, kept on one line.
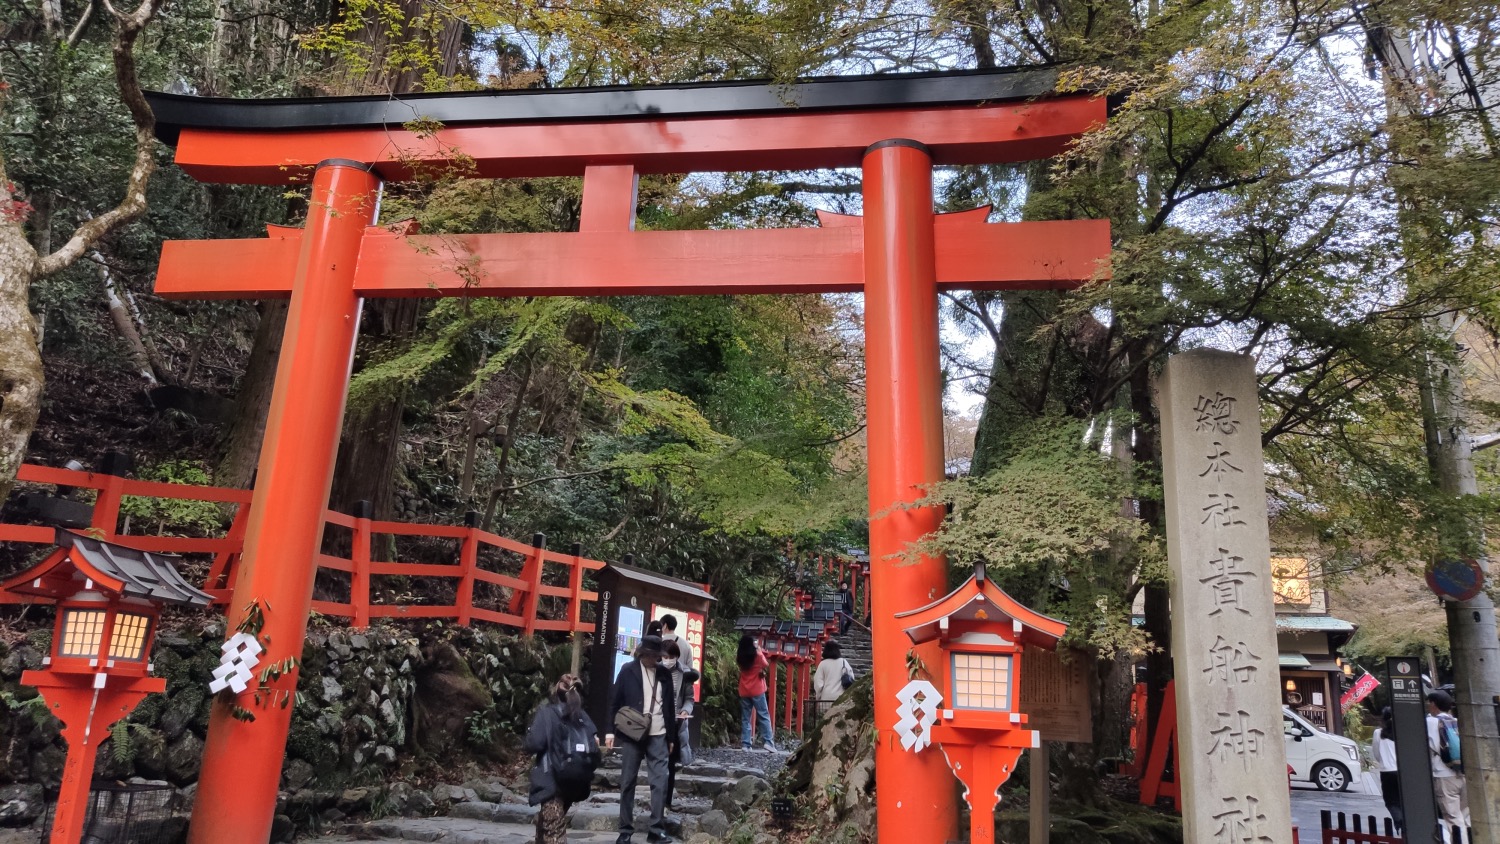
{"points": [[175, 112], [1313, 624], [662, 581], [112, 567]]}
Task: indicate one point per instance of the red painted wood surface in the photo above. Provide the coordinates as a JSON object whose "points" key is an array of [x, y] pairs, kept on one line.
{"points": [[974, 256], [361, 568], [987, 134]]}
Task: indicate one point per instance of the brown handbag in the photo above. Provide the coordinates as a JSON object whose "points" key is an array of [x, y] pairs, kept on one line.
{"points": [[633, 723]]}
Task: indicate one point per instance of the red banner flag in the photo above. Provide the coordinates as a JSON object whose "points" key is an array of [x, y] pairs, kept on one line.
{"points": [[1359, 691]]}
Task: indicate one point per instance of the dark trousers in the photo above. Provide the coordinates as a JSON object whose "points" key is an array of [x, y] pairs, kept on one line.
{"points": [[1390, 792], [653, 751]]}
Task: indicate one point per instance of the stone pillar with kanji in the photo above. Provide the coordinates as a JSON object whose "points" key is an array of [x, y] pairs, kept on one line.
{"points": [[1231, 761]]}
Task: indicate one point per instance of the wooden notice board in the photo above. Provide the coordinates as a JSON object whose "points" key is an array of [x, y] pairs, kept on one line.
{"points": [[1055, 694]]}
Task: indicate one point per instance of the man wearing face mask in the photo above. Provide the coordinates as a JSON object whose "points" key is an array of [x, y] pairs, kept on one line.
{"points": [[683, 678], [645, 686]]}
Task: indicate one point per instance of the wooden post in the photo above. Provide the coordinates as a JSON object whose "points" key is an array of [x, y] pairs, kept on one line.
{"points": [[575, 609], [359, 565], [533, 598], [242, 759], [1041, 794], [107, 504], [904, 409], [468, 561], [771, 700]]}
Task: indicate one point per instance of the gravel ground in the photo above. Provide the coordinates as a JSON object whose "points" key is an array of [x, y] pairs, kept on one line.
{"points": [[771, 763]]}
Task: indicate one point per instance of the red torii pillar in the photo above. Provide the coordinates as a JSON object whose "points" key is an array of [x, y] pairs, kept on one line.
{"points": [[898, 254]]}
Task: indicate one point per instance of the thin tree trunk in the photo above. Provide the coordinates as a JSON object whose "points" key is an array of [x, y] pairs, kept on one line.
{"points": [[369, 450], [242, 443], [497, 492], [119, 314]]}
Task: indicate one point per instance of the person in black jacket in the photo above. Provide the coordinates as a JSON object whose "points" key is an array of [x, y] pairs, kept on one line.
{"points": [[564, 704], [846, 607], [646, 687]]}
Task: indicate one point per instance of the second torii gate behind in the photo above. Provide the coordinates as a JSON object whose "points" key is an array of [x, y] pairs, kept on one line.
{"points": [[899, 255]]}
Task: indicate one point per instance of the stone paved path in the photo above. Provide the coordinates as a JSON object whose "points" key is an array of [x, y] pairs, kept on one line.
{"points": [[699, 786], [458, 831]]}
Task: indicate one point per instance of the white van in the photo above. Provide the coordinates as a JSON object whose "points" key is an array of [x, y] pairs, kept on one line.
{"points": [[1328, 761]]}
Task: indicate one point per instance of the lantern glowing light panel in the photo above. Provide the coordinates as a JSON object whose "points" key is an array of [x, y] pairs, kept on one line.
{"points": [[982, 681]]}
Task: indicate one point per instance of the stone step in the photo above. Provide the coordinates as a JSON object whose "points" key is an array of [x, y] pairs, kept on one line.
{"points": [[459, 831], [682, 804], [688, 785]]}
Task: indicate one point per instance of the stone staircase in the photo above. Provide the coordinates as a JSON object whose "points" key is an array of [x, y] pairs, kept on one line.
{"points": [[856, 646]]}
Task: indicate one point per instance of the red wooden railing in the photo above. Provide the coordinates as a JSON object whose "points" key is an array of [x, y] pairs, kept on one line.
{"points": [[522, 608]]}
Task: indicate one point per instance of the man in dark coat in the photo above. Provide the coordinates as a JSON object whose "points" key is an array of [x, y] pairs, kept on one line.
{"points": [[646, 687]]}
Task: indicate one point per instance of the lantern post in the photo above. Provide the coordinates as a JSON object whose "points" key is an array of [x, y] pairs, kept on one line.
{"points": [[109, 600], [980, 633]]}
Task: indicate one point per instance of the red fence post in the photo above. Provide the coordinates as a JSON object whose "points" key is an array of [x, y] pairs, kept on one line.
{"points": [[114, 467], [468, 561], [770, 740], [791, 695], [533, 597], [575, 590], [225, 562], [805, 673], [359, 566]]}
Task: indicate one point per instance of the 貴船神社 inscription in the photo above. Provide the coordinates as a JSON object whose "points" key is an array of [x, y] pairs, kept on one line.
{"points": [[1232, 761]]}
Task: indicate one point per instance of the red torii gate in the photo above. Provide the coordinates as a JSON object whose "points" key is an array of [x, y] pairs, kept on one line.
{"points": [[895, 128]]}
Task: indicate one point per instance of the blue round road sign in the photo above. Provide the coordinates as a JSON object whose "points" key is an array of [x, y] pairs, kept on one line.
{"points": [[1455, 580]]}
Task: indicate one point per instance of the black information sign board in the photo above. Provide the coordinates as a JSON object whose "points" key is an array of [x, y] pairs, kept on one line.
{"points": [[1413, 759]]}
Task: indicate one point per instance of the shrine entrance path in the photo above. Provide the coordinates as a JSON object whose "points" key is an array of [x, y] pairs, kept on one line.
{"points": [[458, 831]]}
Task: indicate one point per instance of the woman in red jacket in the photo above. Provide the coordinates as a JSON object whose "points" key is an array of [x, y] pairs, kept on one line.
{"points": [[753, 664]]}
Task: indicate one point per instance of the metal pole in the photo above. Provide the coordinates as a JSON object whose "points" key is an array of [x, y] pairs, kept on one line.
{"points": [[915, 803], [242, 759]]}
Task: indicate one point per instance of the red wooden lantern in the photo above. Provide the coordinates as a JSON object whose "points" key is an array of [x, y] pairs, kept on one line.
{"points": [[109, 599], [981, 633]]}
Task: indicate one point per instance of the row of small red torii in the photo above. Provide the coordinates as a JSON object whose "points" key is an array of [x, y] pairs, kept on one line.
{"points": [[523, 610]]}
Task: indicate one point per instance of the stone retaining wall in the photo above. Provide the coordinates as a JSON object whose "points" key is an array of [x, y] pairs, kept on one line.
{"points": [[371, 705]]}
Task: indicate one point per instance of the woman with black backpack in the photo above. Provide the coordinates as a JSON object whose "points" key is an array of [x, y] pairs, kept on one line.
{"points": [[565, 742]]}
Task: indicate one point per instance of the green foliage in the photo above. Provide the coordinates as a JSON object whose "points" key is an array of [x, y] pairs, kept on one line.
{"points": [[1048, 525], [33, 707], [175, 515]]}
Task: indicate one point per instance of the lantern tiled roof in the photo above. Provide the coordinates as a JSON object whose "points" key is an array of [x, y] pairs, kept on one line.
{"points": [[978, 601], [127, 572]]}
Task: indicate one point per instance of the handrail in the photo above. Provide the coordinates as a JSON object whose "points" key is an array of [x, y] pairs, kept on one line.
{"points": [[527, 587]]}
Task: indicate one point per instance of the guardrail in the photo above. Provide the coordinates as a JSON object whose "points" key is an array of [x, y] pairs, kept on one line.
{"points": [[518, 604]]}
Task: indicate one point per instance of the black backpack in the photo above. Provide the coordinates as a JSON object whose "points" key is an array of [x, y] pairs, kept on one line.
{"points": [[572, 756]]}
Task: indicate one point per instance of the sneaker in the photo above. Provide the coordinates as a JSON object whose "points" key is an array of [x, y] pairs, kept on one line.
{"points": [[659, 839]]}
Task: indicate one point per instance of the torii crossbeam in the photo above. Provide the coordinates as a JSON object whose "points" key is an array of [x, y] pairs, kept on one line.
{"points": [[899, 254]]}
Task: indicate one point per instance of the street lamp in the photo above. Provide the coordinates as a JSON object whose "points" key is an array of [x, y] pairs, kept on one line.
{"points": [[109, 599]]}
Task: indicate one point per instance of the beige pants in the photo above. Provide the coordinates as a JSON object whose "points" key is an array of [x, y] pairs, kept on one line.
{"points": [[1452, 800]]}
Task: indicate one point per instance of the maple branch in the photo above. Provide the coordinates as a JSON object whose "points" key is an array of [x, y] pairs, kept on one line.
{"points": [[133, 204]]}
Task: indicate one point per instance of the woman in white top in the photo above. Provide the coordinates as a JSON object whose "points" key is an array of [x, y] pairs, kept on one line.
{"points": [[828, 683], [1383, 748]]}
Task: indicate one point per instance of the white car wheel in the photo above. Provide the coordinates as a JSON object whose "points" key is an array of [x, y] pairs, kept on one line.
{"points": [[1331, 776]]}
